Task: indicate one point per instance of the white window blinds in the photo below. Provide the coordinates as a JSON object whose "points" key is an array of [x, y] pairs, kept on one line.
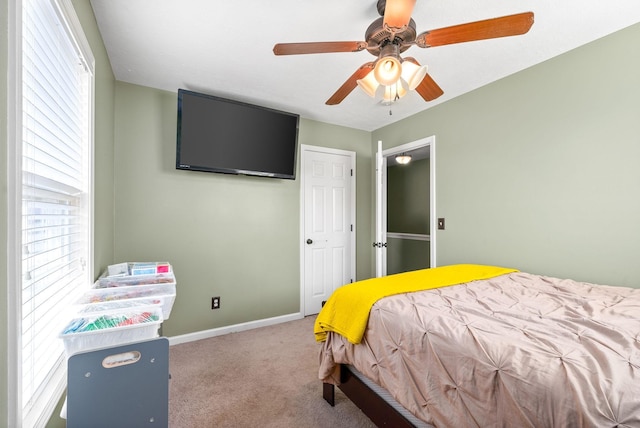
{"points": [[55, 243]]}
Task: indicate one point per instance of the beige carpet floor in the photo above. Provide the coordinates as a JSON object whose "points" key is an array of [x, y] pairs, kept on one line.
{"points": [[267, 377]]}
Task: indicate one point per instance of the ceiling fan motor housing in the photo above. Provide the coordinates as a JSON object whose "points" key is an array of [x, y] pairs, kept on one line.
{"points": [[377, 36]]}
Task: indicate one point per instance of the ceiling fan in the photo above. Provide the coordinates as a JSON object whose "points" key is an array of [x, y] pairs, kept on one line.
{"points": [[392, 34]]}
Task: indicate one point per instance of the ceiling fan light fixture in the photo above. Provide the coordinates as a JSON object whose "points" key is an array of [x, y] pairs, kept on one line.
{"points": [[403, 159], [369, 84], [388, 69], [413, 74]]}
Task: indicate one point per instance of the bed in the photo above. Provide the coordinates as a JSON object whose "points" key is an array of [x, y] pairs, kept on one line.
{"points": [[484, 346]]}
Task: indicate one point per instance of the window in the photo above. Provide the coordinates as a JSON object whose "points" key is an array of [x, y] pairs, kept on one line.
{"points": [[51, 197]]}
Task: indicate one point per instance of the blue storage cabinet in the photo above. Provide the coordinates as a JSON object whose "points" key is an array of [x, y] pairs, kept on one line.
{"points": [[122, 386]]}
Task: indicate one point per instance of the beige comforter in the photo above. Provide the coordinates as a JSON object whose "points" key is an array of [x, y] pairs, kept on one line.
{"points": [[518, 350]]}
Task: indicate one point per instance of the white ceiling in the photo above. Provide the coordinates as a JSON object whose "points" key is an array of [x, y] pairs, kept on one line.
{"points": [[224, 48]]}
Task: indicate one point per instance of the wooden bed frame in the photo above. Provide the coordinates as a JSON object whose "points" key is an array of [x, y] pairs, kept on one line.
{"points": [[375, 407]]}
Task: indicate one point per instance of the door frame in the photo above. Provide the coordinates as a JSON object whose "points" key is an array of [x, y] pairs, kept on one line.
{"points": [[304, 149], [433, 221]]}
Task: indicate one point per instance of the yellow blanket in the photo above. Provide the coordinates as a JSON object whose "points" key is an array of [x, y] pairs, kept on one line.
{"points": [[347, 310]]}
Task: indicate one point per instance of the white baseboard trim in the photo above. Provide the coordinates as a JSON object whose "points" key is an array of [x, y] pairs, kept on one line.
{"points": [[206, 334]]}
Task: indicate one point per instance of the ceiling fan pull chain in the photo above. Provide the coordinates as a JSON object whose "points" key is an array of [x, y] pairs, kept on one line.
{"points": [[393, 97]]}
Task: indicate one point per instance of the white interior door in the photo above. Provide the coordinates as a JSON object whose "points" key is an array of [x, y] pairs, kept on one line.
{"points": [[380, 245], [328, 223]]}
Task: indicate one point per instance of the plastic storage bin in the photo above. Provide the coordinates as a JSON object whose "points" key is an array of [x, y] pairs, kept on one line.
{"points": [[137, 286], [84, 308], [136, 280], [138, 294], [85, 333], [138, 268]]}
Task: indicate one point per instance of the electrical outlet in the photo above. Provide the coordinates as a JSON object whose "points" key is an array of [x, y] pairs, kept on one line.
{"points": [[215, 302]]}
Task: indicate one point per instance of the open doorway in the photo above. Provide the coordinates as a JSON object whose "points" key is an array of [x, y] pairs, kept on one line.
{"points": [[408, 215]]}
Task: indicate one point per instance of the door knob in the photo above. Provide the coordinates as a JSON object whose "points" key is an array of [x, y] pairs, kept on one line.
{"points": [[309, 241]]}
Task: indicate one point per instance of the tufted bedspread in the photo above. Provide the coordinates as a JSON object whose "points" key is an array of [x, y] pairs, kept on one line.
{"points": [[518, 350]]}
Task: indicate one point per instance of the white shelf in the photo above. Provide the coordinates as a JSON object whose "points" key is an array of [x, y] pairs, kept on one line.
{"points": [[414, 236]]}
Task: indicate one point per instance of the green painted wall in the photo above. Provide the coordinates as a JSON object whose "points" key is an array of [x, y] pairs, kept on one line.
{"points": [[231, 236], [539, 171], [404, 255], [408, 197]]}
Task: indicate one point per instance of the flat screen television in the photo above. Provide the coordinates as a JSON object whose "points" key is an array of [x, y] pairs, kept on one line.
{"points": [[231, 137]]}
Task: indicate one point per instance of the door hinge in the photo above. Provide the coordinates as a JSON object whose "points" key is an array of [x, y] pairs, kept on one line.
{"points": [[352, 172], [352, 228]]}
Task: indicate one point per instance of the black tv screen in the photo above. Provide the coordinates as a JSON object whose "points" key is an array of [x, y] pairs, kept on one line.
{"points": [[231, 137]]}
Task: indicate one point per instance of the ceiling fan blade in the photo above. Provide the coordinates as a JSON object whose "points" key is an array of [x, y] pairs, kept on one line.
{"points": [[317, 47], [429, 89], [350, 84], [397, 13], [504, 26]]}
